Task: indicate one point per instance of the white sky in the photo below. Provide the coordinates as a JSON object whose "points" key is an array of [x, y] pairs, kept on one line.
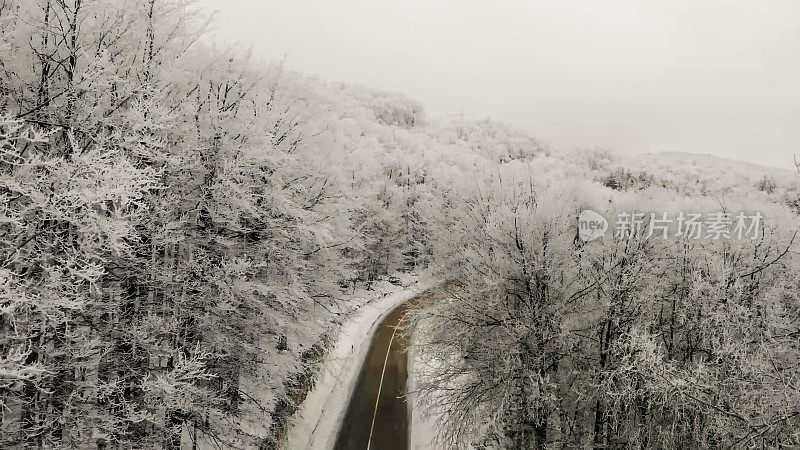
{"points": [[704, 76]]}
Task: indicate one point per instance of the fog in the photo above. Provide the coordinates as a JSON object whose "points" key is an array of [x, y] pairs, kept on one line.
{"points": [[718, 77]]}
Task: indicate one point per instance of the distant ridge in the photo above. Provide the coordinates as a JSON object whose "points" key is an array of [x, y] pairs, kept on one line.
{"points": [[707, 157]]}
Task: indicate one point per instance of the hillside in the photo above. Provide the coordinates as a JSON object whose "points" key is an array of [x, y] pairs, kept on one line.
{"points": [[184, 229]]}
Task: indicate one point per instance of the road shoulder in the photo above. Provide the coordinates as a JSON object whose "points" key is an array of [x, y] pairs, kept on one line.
{"points": [[316, 423]]}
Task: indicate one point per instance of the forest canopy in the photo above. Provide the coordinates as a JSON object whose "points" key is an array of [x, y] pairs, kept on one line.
{"points": [[181, 226]]}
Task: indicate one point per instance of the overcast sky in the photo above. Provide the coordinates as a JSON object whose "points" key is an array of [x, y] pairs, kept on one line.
{"points": [[713, 76]]}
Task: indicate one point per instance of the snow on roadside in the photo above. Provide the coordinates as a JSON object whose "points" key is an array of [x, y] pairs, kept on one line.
{"points": [[422, 428], [316, 422], [423, 419]]}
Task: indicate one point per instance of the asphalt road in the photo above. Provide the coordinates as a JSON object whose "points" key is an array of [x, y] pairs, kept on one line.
{"points": [[390, 429]]}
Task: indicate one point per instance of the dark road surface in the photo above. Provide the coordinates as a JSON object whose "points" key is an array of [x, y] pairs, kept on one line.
{"points": [[391, 420]]}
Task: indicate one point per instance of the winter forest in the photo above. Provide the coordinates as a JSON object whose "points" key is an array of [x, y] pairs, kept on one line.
{"points": [[185, 231]]}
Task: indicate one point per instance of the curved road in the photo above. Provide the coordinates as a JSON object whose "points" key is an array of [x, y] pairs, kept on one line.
{"points": [[384, 370]]}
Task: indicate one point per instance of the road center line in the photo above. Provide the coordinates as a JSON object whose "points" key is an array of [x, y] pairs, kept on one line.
{"points": [[380, 385]]}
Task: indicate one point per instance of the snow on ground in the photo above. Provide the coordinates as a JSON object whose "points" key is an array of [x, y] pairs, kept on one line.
{"points": [[316, 423], [422, 429]]}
